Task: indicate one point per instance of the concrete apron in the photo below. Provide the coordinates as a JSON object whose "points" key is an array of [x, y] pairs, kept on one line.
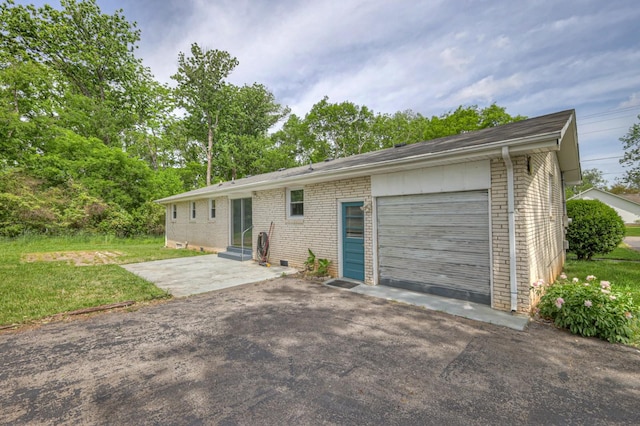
{"points": [[461, 308], [200, 274], [633, 242]]}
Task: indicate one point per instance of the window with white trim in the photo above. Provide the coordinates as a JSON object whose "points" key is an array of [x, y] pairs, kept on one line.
{"points": [[174, 211], [295, 203], [212, 209], [193, 210]]}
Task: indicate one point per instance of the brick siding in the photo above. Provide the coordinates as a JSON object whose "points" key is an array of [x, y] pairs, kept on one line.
{"points": [[318, 230], [210, 234], [539, 227]]}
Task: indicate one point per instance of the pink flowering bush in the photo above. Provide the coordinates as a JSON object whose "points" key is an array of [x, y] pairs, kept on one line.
{"points": [[589, 308]]}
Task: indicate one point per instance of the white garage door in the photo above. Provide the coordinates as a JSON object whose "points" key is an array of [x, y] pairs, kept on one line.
{"points": [[436, 243]]}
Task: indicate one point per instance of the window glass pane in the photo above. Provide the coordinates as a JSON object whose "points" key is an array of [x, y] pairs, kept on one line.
{"points": [[297, 195], [297, 209], [212, 213], [354, 222]]}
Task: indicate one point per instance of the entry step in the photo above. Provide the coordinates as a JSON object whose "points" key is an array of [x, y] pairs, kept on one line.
{"points": [[237, 253]]}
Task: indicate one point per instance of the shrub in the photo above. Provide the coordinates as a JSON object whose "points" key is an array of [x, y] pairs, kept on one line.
{"points": [[589, 308], [315, 266], [595, 228], [323, 267]]}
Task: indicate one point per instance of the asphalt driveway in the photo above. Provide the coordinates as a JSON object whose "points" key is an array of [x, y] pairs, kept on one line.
{"points": [[287, 351]]}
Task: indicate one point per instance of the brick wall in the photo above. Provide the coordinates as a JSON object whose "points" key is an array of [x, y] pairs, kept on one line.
{"points": [[210, 234], [318, 230], [539, 226], [544, 219]]}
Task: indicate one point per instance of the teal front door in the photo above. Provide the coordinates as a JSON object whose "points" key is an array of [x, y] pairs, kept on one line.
{"points": [[353, 240]]}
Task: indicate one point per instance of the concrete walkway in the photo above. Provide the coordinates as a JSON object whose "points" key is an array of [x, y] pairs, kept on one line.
{"points": [[634, 242], [200, 274], [461, 308]]}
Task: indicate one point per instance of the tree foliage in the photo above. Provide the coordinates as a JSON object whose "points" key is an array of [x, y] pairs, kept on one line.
{"points": [[591, 178], [202, 91], [631, 146], [338, 130], [88, 137], [595, 228]]}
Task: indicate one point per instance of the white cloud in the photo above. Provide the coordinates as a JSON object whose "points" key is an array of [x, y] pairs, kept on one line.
{"points": [[632, 101], [489, 89], [452, 57], [502, 42]]}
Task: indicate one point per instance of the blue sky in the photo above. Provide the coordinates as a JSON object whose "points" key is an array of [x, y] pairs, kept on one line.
{"points": [[532, 57]]}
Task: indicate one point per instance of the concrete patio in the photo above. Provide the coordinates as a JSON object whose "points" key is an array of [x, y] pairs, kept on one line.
{"points": [[194, 275]]}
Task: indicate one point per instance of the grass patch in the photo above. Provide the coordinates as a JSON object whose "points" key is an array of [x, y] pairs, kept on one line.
{"points": [[624, 275], [622, 253], [632, 230], [34, 290]]}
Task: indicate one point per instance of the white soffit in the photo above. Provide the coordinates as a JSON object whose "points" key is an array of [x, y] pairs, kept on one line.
{"points": [[426, 180]]}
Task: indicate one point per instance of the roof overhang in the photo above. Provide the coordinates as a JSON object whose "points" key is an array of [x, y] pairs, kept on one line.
{"points": [[564, 141], [569, 153]]}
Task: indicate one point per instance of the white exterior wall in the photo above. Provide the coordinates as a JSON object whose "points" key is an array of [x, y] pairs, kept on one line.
{"points": [[628, 211], [429, 180], [210, 234], [319, 230], [539, 227]]}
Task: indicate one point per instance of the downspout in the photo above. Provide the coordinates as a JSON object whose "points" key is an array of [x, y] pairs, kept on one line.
{"points": [[511, 209]]}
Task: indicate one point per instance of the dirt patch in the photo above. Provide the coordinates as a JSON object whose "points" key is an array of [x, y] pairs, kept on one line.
{"points": [[77, 258]]}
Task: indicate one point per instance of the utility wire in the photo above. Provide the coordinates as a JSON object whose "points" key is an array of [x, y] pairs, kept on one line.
{"points": [[582, 123], [615, 111], [603, 158], [603, 130]]}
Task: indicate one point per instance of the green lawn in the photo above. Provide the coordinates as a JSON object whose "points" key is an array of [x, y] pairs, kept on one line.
{"points": [[38, 289], [623, 274], [633, 230]]}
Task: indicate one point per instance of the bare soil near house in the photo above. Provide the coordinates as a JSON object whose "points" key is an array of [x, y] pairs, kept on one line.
{"points": [[289, 351], [76, 257]]}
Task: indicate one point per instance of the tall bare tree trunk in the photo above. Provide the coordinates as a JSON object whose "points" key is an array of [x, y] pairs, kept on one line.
{"points": [[209, 149], [210, 127]]}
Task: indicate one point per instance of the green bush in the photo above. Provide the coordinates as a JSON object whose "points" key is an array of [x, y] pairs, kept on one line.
{"points": [[589, 308], [595, 228]]}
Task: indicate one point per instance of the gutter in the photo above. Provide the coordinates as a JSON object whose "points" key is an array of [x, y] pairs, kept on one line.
{"points": [[513, 284]]}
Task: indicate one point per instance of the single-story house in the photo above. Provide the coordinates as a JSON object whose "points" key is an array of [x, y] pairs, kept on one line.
{"points": [[477, 216], [628, 209]]}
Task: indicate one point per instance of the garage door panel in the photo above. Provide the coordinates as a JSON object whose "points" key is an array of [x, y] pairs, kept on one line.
{"points": [[446, 278], [414, 258], [468, 233], [444, 291], [436, 243], [466, 208], [445, 197], [443, 219]]}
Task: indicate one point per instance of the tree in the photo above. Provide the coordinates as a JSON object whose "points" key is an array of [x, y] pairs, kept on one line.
{"points": [[631, 145], [591, 178], [339, 130], [92, 53], [200, 91], [595, 228], [243, 141]]}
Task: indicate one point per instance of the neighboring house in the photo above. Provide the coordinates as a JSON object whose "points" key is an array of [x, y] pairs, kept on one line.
{"points": [[628, 210], [477, 216]]}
